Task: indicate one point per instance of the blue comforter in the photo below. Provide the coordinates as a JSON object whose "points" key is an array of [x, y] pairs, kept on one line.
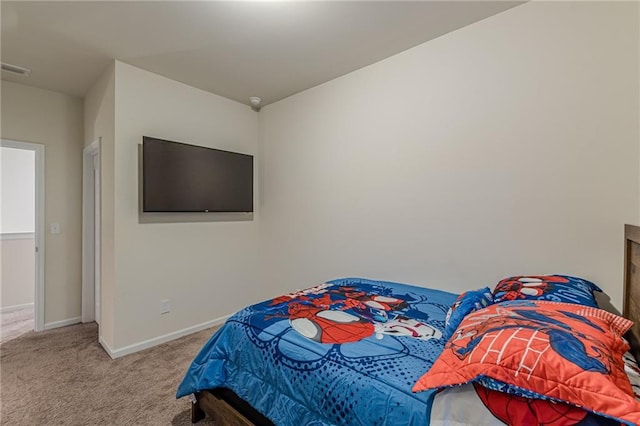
{"points": [[346, 352]]}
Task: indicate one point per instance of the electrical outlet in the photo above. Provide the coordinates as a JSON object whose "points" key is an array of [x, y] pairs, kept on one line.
{"points": [[165, 307]]}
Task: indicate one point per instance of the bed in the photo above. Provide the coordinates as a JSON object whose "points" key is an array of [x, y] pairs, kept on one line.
{"points": [[354, 351]]}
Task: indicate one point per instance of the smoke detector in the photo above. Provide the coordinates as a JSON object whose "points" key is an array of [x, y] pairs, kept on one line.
{"points": [[255, 103], [14, 69]]}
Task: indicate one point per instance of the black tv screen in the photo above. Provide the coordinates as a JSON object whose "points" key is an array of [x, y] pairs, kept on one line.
{"points": [[177, 177]]}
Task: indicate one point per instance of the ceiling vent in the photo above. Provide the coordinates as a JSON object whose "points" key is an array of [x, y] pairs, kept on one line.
{"points": [[16, 69]]}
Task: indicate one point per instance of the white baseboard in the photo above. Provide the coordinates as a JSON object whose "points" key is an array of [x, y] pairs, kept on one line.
{"points": [[13, 308], [117, 353], [63, 323], [106, 347]]}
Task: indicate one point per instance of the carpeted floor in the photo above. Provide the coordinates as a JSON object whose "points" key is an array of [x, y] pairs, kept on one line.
{"points": [[64, 377], [16, 323]]}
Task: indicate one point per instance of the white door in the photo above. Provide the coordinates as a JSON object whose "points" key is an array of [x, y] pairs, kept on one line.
{"points": [[96, 235], [91, 194]]}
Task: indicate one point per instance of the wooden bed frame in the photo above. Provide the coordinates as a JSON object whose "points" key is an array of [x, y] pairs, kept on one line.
{"points": [[227, 409], [631, 295]]}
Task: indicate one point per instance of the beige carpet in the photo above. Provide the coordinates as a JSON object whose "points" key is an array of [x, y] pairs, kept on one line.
{"points": [[16, 323], [63, 377]]}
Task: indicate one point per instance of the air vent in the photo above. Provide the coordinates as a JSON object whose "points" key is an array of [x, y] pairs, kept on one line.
{"points": [[16, 69]]}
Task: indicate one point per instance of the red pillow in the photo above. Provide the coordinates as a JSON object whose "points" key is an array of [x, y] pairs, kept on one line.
{"points": [[559, 351], [518, 410]]}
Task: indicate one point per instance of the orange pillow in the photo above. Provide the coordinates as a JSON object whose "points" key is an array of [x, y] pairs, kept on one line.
{"points": [[559, 351]]}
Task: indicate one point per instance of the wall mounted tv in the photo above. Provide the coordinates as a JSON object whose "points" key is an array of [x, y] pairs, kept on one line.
{"points": [[177, 177]]}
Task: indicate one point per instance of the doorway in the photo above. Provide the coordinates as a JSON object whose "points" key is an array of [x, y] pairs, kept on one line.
{"points": [[22, 237], [91, 235]]}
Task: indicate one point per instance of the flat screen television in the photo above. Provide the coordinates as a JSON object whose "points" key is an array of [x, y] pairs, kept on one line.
{"points": [[177, 177]]}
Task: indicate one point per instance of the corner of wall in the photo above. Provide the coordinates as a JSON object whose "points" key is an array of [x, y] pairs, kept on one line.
{"points": [[99, 122]]}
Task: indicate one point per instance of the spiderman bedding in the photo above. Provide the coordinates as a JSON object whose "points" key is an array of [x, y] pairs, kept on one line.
{"points": [[344, 352]]}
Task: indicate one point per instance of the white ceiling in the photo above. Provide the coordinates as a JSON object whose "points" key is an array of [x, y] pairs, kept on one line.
{"points": [[234, 49]]}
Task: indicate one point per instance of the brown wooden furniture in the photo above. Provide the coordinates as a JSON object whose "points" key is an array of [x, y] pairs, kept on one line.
{"points": [[227, 409], [631, 307]]}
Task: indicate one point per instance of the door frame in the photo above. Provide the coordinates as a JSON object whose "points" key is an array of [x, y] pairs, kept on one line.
{"points": [[91, 227], [39, 294]]}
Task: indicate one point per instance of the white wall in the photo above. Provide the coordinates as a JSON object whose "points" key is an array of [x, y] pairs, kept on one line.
{"points": [[206, 270], [18, 191], [54, 119], [507, 147], [17, 272]]}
